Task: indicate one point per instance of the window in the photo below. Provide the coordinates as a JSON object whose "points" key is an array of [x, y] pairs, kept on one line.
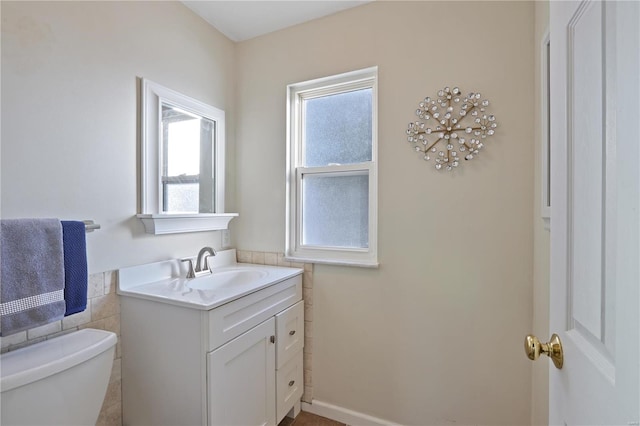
{"points": [[332, 169]]}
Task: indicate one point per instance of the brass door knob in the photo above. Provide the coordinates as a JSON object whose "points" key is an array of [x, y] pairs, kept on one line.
{"points": [[553, 349]]}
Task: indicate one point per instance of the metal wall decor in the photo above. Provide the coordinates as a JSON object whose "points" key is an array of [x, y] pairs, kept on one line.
{"points": [[451, 127]]}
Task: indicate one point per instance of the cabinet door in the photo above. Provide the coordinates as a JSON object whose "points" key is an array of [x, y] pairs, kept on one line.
{"points": [[290, 331], [241, 379]]}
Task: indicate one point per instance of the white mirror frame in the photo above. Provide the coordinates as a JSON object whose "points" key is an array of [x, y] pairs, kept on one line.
{"points": [[154, 220]]}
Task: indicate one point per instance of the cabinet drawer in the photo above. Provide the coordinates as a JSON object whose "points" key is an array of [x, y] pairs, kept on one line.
{"points": [[231, 320], [290, 333], [289, 386]]}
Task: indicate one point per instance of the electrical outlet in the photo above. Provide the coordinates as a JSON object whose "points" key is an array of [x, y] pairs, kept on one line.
{"points": [[226, 238]]}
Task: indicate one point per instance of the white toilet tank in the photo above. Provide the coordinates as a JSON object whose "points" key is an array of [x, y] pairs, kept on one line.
{"points": [[61, 381]]}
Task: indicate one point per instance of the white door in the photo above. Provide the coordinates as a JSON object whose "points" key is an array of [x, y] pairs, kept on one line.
{"points": [[595, 163], [241, 380]]}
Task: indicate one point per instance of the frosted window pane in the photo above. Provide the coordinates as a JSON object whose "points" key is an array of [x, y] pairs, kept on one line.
{"points": [[182, 197], [335, 211], [338, 128]]}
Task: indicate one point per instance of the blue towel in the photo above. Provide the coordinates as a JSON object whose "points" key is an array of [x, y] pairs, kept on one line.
{"points": [[32, 286], [75, 266]]}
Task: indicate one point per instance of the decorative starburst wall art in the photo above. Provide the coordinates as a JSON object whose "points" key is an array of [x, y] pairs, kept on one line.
{"points": [[451, 127]]}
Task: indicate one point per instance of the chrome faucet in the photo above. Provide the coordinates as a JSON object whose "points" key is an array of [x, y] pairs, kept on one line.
{"points": [[202, 263], [203, 259]]}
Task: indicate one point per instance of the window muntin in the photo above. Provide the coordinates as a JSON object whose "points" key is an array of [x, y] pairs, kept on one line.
{"points": [[332, 170]]}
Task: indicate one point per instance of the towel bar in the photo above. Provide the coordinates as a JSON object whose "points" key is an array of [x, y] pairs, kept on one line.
{"points": [[90, 225]]}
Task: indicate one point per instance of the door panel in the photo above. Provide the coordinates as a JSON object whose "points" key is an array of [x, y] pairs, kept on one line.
{"points": [[585, 146], [595, 178]]}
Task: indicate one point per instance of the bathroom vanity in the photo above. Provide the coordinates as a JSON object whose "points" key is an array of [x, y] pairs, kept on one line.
{"points": [[223, 349]]}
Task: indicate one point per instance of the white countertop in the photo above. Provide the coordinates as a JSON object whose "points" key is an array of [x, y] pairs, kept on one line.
{"points": [[165, 282]]}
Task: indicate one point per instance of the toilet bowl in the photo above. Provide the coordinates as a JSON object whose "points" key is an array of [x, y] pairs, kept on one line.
{"points": [[61, 381]]}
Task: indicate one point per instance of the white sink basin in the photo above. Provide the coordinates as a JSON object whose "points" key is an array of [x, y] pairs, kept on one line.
{"points": [[220, 280], [165, 281]]}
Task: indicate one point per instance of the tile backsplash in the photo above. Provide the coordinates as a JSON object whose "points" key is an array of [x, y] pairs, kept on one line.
{"points": [[103, 312]]}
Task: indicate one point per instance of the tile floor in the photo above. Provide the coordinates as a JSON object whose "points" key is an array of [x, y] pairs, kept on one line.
{"points": [[308, 419]]}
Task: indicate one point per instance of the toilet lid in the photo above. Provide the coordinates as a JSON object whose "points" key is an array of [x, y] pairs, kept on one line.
{"points": [[35, 362]]}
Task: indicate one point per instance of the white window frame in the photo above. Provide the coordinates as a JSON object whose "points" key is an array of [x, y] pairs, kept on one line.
{"points": [[296, 93]]}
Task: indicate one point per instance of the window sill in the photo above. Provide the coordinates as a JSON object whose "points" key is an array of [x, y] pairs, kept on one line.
{"points": [[181, 223], [336, 262]]}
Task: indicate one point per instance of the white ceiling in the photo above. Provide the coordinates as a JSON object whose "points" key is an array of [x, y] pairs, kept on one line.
{"points": [[241, 20]]}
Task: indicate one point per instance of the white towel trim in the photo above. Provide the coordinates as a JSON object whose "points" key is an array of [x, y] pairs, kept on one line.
{"points": [[31, 302]]}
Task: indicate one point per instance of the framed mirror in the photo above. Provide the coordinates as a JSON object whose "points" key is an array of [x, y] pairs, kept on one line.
{"points": [[182, 162]]}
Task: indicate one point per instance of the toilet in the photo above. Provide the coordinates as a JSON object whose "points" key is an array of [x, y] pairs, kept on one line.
{"points": [[61, 381]]}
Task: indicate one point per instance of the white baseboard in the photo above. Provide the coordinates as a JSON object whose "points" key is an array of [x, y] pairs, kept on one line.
{"points": [[344, 415]]}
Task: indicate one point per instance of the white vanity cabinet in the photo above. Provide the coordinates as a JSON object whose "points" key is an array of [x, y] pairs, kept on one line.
{"points": [[239, 363], [246, 364]]}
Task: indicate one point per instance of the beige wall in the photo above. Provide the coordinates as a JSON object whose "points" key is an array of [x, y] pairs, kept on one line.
{"points": [[431, 337], [540, 373], [69, 106], [434, 336]]}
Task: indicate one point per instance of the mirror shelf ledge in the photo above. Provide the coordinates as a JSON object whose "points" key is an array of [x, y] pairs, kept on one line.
{"points": [[187, 222]]}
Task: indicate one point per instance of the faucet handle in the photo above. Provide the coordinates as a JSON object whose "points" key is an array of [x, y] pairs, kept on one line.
{"points": [[191, 272]]}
